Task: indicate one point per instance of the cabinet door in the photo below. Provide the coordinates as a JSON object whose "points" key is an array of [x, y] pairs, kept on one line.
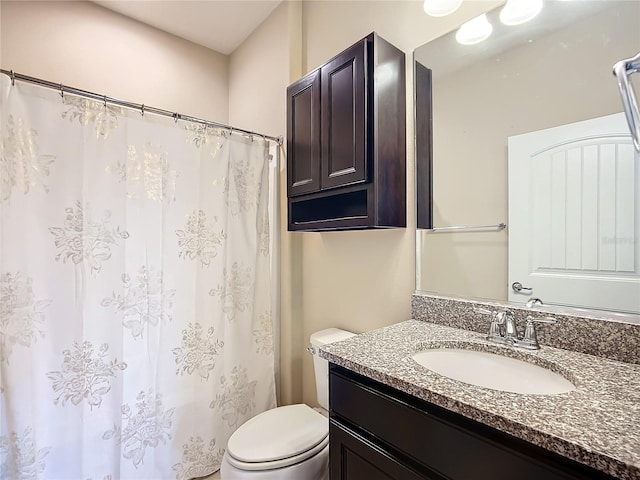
{"points": [[303, 135], [343, 118], [352, 457]]}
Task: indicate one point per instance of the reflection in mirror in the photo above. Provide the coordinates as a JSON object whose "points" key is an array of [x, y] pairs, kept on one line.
{"points": [[552, 72]]}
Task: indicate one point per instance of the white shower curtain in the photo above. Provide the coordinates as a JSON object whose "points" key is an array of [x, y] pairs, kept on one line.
{"points": [[135, 307]]}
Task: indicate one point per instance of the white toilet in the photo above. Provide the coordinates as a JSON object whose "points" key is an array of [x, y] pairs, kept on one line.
{"points": [[290, 442]]}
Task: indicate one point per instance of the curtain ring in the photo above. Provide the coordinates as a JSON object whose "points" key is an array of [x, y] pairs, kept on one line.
{"points": [[13, 78], [142, 110], [175, 117], [62, 91], [104, 100]]}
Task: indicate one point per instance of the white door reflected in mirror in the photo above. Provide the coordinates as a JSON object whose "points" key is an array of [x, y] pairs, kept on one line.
{"points": [[574, 217]]}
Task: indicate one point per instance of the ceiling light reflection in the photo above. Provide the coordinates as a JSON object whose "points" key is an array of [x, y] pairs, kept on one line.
{"points": [[440, 8], [516, 12], [474, 31]]}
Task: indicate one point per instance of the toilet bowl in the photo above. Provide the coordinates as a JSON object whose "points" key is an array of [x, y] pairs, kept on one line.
{"points": [[289, 442]]}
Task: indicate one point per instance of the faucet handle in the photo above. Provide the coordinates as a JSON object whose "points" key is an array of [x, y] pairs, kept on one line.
{"points": [[530, 338], [495, 330], [531, 319], [485, 311]]}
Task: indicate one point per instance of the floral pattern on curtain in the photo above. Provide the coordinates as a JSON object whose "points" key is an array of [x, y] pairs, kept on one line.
{"points": [[135, 290]]}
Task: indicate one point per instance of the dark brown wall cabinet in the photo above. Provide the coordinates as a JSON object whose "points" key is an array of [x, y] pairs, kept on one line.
{"points": [[346, 141], [378, 432], [424, 146]]}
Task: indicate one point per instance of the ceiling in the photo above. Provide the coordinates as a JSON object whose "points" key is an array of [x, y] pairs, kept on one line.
{"points": [[221, 25]]}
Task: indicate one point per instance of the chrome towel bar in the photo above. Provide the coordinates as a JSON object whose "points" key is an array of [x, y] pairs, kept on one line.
{"points": [[622, 70], [498, 227]]}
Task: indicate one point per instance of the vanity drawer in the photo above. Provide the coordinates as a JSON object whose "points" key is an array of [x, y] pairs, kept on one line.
{"points": [[441, 441]]}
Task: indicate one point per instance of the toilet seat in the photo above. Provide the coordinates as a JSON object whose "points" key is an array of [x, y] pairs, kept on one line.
{"points": [[278, 438], [284, 462]]}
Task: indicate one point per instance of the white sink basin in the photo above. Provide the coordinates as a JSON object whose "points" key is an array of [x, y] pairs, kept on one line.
{"points": [[489, 370]]}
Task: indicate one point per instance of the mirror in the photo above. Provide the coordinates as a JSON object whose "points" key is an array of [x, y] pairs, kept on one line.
{"points": [[552, 71]]}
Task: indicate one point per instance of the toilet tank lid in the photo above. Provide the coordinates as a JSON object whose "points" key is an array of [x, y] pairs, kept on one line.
{"points": [[329, 335]]}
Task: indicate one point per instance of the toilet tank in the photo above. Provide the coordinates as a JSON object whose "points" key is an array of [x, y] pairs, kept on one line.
{"points": [[320, 365]]}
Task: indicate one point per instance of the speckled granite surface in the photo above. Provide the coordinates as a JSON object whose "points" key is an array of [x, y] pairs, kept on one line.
{"points": [[597, 424], [586, 331]]}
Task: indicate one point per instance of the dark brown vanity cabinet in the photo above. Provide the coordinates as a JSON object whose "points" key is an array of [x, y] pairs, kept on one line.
{"points": [[378, 432], [346, 141]]}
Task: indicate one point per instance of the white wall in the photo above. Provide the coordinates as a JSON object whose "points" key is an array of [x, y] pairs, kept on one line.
{"points": [[259, 71], [83, 45], [354, 280], [362, 280]]}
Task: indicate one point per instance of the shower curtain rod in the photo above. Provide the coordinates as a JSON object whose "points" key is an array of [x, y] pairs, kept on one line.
{"points": [[135, 106]]}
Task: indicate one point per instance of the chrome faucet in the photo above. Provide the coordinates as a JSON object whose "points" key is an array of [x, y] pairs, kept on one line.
{"points": [[503, 329], [503, 326]]}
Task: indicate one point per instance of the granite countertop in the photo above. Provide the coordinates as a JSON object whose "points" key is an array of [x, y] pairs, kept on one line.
{"points": [[596, 424]]}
